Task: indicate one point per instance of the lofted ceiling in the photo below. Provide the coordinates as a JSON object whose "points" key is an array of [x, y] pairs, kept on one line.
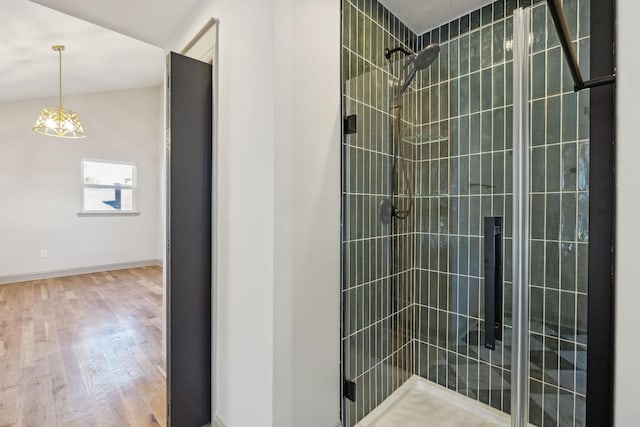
{"points": [[153, 21], [98, 59], [421, 16], [95, 59]]}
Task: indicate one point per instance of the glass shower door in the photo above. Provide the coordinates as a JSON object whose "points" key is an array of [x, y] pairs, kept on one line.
{"points": [[463, 173], [422, 294], [559, 212], [417, 296], [378, 279]]}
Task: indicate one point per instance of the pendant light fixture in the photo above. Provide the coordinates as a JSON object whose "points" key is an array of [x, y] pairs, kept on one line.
{"points": [[59, 122]]}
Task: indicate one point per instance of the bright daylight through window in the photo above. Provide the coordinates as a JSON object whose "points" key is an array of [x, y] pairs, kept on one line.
{"points": [[108, 186]]}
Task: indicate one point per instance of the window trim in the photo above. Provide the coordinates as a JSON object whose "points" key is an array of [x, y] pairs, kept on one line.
{"points": [[133, 187]]}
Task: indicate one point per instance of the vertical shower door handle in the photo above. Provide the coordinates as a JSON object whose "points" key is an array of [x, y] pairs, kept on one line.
{"points": [[492, 281]]}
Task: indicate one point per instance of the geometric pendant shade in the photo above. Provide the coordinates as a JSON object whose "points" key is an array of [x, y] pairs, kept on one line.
{"points": [[59, 122]]}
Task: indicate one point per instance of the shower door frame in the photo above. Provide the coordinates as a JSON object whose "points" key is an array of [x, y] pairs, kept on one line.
{"points": [[521, 219], [602, 195]]}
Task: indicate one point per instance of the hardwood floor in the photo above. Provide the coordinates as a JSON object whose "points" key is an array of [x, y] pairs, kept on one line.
{"points": [[83, 350]]}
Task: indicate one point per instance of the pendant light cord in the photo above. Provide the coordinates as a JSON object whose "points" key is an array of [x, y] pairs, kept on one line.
{"points": [[60, 80]]}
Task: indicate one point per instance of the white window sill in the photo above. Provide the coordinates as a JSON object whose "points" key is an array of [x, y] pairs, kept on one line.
{"points": [[108, 213]]}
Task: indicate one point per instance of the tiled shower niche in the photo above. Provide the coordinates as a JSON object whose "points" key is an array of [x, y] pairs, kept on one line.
{"points": [[413, 289]]}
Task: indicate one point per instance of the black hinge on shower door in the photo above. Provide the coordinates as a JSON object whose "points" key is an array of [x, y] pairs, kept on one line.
{"points": [[492, 281], [350, 124], [350, 390]]}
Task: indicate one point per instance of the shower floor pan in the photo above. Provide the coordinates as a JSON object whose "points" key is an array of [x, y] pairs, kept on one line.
{"points": [[420, 403]]}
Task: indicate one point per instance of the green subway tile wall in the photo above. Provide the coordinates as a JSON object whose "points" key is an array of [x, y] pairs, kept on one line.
{"points": [[413, 290], [378, 268]]}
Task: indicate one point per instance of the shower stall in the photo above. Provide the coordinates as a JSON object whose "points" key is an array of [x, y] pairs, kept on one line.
{"points": [[453, 139]]}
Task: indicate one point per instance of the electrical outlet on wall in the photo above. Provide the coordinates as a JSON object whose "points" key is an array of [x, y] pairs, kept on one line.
{"points": [[44, 253]]}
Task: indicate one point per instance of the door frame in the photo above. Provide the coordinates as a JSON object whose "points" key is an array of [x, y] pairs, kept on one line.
{"points": [[204, 46]]}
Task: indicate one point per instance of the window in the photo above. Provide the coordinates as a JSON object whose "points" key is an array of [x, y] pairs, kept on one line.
{"points": [[108, 187]]}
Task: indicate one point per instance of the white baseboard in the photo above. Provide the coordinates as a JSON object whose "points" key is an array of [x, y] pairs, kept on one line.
{"points": [[217, 422], [75, 271]]}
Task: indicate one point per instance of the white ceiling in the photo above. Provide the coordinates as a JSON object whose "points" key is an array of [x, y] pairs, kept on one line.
{"points": [[421, 16], [95, 59], [153, 21]]}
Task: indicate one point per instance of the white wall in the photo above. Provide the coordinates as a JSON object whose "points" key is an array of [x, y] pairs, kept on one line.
{"points": [[307, 294], [244, 375], [279, 210], [627, 349], [40, 184]]}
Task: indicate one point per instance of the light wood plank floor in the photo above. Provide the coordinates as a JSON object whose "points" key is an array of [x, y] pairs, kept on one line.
{"points": [[83, 351]]}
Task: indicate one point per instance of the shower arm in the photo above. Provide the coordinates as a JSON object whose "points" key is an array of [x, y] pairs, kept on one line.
{"points": [[388, 53]]}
